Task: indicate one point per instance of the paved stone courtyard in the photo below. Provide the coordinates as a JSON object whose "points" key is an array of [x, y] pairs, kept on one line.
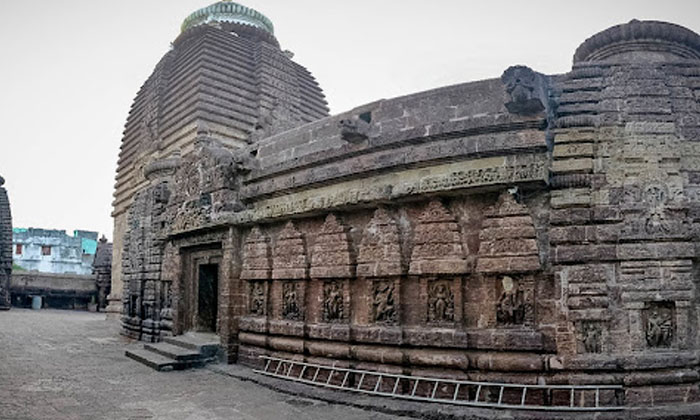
{"points": [[71, 365]]}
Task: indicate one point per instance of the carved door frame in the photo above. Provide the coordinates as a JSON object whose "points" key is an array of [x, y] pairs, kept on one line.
{"points": [[192, 259]]}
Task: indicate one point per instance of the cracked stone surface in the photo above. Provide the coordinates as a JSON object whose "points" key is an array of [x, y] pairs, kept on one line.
{"points": [[71, 365]]}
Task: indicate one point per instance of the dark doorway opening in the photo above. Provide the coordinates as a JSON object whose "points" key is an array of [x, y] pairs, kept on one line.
{"points": [[207, 303]]}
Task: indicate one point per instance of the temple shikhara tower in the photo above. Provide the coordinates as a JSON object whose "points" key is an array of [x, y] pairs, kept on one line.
{"points": [[526, 229], [225, 80]]}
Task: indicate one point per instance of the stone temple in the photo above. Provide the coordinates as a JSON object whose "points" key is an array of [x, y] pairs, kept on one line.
{"points": [[5, 248], [529, 228]]}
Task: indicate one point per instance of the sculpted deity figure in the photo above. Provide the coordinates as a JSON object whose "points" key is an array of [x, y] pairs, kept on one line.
{"points": [[257, 298], [383, 302], [510, 309], [590, 337], [332, 302], [441, 302], [659, 327], [291, 308]]}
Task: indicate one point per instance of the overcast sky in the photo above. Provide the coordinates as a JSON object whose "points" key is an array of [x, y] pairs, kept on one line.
{"points": [[70, 69]]}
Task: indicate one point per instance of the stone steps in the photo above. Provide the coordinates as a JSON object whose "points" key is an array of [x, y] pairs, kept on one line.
{"points": [[205, 343], [172, 351], [178, 353], [152, 360]]}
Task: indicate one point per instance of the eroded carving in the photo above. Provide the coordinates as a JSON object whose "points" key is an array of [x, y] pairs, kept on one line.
{"points": [[333, 302], [258, 301], [441, 301], [383, 302], [510, 309], [291, 307], [590, 337], [354, 130], [660, 325], [521, 84]]}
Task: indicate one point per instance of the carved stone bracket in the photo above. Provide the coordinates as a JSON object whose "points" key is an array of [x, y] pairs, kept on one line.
{"points": [[354, 130], [525, 89]]}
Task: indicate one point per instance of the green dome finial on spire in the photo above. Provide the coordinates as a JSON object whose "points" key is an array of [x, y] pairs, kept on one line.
{"points": [[228, 11]]}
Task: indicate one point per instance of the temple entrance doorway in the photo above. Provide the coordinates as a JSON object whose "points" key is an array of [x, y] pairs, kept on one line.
{"points": [[207, 300], [198, 309]]}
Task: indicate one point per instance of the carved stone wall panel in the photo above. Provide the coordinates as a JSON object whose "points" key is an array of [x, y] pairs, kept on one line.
{"points": [[437, 243], [591, 337], [443, 303], [335, 305], [142, 257], [292, 301], [490, 171], [380, 249], [332, 255], [508, 242], [385, 301], [257, 263], [289, 259], [660, 325], [257, 298], [516, 301]]}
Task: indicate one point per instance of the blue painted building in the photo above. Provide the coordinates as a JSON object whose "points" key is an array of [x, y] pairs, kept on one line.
{"points": [[54, 251]]}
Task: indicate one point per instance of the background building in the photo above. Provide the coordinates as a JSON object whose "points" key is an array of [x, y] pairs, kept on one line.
{"points": [[53, 251]]}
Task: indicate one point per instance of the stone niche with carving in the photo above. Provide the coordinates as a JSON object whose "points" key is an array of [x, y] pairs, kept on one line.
{"points": [[380, 269], [438, 260], [290, 273], [332, 270], [508, 266], [257, 271]]}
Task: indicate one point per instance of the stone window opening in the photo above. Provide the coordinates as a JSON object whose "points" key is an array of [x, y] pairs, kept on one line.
{"points": [[18, 249], [46, 250]]}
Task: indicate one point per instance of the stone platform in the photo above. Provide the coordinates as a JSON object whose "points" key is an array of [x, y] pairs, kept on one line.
{"points": [[178, 353]]}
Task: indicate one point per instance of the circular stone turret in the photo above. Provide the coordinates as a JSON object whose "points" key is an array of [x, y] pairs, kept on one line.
{"points": [[228, 11], [641, 41]]}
